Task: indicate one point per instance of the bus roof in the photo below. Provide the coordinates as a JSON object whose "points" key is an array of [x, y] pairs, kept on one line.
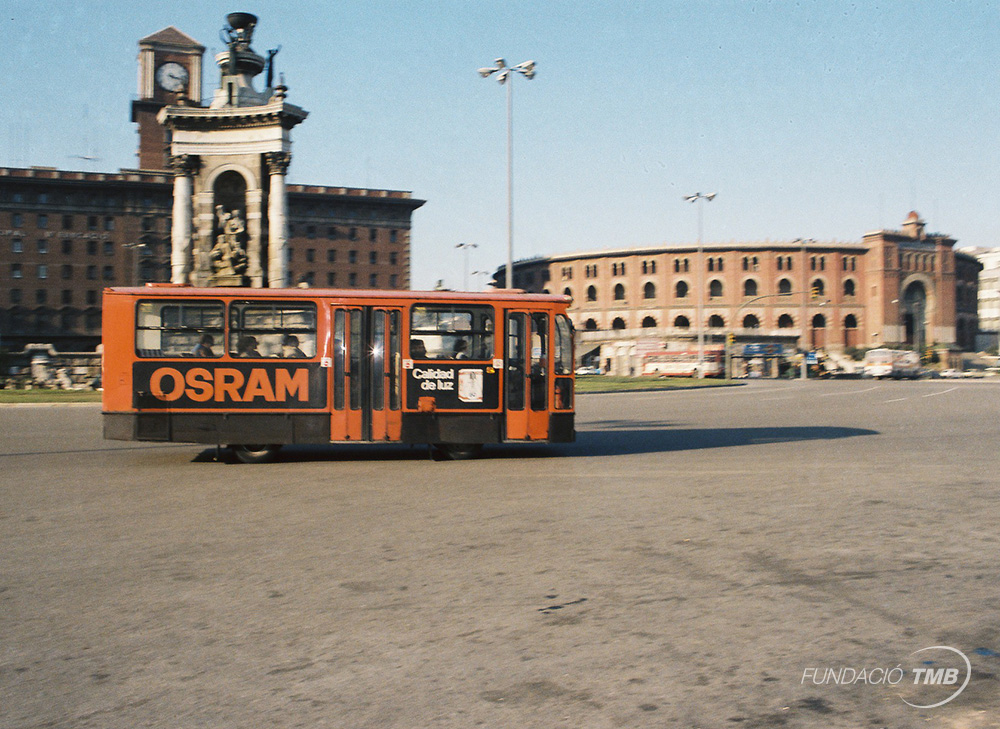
{"points": [[319, 293]]}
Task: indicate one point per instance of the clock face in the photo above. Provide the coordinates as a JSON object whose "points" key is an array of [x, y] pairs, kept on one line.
{"points": [[172, 76]]}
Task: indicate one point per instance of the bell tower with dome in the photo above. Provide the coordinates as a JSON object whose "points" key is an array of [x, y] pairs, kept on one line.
{"points": [[230, 220]]}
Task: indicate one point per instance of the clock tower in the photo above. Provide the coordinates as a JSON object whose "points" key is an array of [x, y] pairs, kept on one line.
{"points": [[169, 74]]}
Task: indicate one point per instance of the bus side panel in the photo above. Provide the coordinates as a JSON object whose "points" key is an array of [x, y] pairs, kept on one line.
{"points": [[119, 351]]}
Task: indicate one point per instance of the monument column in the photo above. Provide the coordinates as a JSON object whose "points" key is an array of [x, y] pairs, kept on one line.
{"points": [[277, 214], [184, 166]]}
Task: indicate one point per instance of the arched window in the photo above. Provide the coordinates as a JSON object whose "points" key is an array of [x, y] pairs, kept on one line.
{"points": [[819, 322], [715, 322], [590, 325], [591, 293], [648, 322], [785, 321], [850, 322], [619, 293], [848, 287], [715, 288], [682, 322], [649, 291], [568, 292], [681, 290], [784, 286], [751, 322], [749, 287], [618, 323], [817, 288]]}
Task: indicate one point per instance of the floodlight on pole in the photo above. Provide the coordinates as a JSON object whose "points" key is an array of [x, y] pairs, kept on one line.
{"points": [[504, 74], [701, 280], [464, 247]]}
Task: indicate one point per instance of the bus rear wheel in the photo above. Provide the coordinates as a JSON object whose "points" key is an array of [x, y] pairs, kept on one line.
{"points": [[252, 453], [457, 451]]}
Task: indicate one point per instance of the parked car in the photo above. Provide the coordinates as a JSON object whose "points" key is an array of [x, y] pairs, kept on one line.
{"points": [[588, 370]]}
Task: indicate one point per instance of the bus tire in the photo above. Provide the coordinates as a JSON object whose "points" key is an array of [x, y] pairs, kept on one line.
{"points": [[458, 451], [253, 453]]}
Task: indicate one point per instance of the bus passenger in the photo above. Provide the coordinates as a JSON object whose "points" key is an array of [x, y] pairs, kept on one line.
{"points": [[204, 347], [290, 348], [417, 349], [459, 350], [247, 347]]}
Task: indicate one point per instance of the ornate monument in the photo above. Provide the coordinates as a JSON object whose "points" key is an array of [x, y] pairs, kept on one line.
{"points": [[229, 160]]}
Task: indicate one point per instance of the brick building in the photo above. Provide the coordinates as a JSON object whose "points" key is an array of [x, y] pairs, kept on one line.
{"points": [[894, 288]]}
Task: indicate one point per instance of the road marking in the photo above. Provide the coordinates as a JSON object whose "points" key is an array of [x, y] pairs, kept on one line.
{"points": [[852, 392], [898, 399], [932, 394]]}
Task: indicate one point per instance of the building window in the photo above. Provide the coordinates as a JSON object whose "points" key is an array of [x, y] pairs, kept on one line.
{"points": [[617, 269], [91, 297], [17, 246], [352, 279], [591, 293], [567, 273], [17, 220], [108, 273], [373, 280], [785, 321], [91, 247], [92, 272], [619, 293], [716, 322], [109, 248], [331, 279], [393, 236], [310, 255], [67, 247], [681, 290], [618, 323], [43, 247], [392, 258], [648, 322], [67, 297], [15, 270], [43, 220], [649, 266], [331, 256], [750, 287], [751, 322], [352, 256], [649, 291], [817, 289], [310, 231], [43, 271], [353, 234], [372, 235], [682, 322], [715, 288], [372, 257], [15, 296], [41, 297], [91, 222], [67, 271], [848, 288], [784, 287], [331, 232]]}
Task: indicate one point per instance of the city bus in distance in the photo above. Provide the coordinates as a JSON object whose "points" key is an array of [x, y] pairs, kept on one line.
{"points": [[255, 369], [894, 363], [667, 363]]}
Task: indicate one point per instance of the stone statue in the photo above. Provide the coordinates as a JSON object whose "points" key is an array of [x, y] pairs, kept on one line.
{"points": [[227, 255]]}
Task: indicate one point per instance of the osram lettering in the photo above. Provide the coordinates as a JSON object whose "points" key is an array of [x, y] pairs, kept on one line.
{"points": [[226, 384]]}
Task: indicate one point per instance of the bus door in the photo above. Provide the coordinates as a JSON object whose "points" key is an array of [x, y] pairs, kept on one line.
{"points": [[526, 388], [365, 392]]}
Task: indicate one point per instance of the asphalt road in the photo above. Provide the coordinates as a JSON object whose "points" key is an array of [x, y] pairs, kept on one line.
{"points": [[686, 563]]}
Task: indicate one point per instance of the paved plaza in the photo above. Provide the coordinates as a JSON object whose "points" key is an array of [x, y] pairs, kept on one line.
{"points": [[698, 558]]}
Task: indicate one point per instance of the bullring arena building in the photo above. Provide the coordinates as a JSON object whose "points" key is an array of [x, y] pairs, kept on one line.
{"points": [[895, 288]]}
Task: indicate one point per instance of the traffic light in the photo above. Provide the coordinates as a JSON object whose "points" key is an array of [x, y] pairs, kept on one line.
{"points": [[730, 339], [814, 292]]}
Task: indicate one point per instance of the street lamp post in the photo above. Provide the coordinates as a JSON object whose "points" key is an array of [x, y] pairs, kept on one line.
{"points": [[504, 76], [464, 247], [701, 281]]}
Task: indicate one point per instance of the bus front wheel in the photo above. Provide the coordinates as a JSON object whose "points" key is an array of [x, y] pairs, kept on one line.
{"points": [[248, 453], [457, 451]]}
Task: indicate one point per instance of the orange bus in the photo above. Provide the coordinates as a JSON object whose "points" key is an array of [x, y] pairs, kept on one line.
{"points": [[255, 369]]}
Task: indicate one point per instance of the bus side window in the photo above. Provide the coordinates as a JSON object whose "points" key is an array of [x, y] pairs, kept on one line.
{"points": [[285, 330], [179, 329]]}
